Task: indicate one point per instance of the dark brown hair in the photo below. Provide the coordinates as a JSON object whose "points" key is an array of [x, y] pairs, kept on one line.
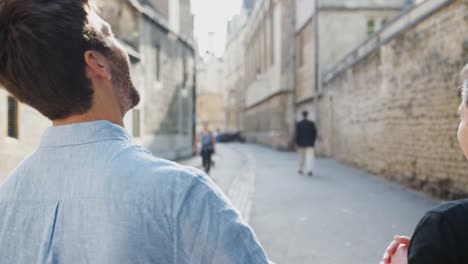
{"points": [[42, 45]]}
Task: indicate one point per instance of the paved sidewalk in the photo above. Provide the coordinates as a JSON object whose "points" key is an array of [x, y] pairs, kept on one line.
{"points": [[234, 173], [341, 215]]}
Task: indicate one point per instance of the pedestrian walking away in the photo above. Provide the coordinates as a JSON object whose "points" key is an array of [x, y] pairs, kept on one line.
{"points": [[208, 142], [306, 135]]}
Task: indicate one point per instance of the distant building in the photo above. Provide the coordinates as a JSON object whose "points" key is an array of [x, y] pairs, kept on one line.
{"points": [[279, 72], [268, 92], [234, 69], [210, 107], [163, 69]]}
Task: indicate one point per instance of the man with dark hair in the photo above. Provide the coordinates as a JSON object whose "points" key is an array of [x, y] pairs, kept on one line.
{"points": [[306, 134], [88, 194]]}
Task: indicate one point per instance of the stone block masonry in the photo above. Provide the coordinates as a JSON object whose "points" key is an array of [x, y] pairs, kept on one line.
{"points": [[394, 111]]}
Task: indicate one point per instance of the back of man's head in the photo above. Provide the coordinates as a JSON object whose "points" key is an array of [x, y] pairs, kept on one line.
{"points": [[305, 114], [41, 54]]}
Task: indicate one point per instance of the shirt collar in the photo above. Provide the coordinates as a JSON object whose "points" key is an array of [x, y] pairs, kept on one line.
{"points": [[83, 133]]}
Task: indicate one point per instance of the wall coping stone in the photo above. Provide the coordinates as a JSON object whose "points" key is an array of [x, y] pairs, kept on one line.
{"points": [[399, 24]]}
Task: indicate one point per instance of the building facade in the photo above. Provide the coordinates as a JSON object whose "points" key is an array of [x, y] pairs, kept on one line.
{"points": [[339, 27], [21, 128], [234, 69], [271, 63], [268, 89], [163, 70], [210, 104], [390, 106]]}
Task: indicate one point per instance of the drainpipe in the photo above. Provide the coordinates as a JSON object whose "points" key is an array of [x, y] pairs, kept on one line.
{"points": [[293, 54], [194, 102], [317, 78]]}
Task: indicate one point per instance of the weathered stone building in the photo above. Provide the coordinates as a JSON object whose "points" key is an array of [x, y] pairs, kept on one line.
{"points": [[163, 68], [341, 26], [210, 105], [280, 59], [268, 96], [20, 130], [234, 85], [391, 105], [177, 13]]}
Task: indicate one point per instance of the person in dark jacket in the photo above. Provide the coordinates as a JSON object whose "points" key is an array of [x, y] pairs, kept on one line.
{"points": [[306, 134]]}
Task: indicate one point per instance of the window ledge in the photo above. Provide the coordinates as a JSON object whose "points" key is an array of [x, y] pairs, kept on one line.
{"points": [[10, 140]]}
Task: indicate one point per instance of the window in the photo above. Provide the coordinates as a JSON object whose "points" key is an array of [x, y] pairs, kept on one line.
{"points": [[300, 49], [272, 37], [136, 123], [370, 27], [384, 21], [258, 52], [158, 63], [184, 70], [12, 117], [265, 48], [267, 43]]}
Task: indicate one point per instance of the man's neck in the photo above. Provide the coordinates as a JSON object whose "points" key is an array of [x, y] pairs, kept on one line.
{"points": [[88, 117]]}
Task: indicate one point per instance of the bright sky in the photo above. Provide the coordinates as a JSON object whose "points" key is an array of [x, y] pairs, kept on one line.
{"points": [[212, 16]]}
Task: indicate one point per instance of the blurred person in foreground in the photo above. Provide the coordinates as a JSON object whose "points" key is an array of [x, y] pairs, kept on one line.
{"points": [[442, 234], [306, 134], [88, 194]]}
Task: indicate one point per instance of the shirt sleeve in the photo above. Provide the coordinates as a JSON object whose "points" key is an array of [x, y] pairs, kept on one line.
{"points": [[210, 230], [432, 241]]}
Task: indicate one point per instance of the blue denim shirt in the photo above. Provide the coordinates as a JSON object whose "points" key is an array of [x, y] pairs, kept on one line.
{"points": [[89, 195]]}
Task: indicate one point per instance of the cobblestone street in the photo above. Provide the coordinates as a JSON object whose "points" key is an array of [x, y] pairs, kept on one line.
{"points": [[340, 215]]}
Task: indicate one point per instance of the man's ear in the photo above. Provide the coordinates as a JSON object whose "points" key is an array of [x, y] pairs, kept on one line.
{"points": [[97, 65]]}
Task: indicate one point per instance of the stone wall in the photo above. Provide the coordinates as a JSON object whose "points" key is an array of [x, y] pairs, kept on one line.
{"points": [[305, 77], [162, 7], [30, 128], [266, 122], [394, 112], [186, 19], [234, 69], [169, 69], [269, 119]]}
